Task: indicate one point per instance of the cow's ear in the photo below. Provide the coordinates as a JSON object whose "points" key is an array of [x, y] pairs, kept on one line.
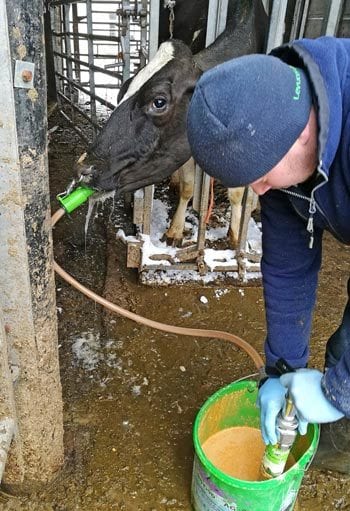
{"points": [[124, 89], [192, 79]]}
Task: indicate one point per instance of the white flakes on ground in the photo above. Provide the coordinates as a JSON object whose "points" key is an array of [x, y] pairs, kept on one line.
{"points": [[136, 390], [220, 292], [203, 299], [182, 369], [87, 350], [241, 292]]}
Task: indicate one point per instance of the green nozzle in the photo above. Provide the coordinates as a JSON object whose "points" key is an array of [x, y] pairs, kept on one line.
{"points": [[76, 198]]}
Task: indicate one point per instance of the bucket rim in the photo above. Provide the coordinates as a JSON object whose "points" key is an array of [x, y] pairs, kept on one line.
{"points": [[230, 480]]}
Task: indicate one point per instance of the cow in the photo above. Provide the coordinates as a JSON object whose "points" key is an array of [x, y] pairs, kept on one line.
{"points": [[144, 140]]}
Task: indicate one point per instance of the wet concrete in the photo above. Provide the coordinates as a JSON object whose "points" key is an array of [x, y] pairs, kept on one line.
{"points": [[130, 393]]}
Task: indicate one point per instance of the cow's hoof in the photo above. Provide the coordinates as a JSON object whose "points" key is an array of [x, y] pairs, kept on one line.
{"points": [[172, 242]]}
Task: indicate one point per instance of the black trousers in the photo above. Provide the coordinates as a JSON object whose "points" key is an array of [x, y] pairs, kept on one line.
{"points": [[340, 340]]}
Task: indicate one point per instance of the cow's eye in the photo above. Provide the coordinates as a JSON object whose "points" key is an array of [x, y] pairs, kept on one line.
{"points": [[159, 104]]}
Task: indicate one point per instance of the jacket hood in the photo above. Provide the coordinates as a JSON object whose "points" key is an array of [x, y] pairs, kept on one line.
{"points": [[326, 62]]}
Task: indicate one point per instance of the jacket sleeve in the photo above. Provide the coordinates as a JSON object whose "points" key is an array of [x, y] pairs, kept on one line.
{"points": [[336, 384], [290, 274]]}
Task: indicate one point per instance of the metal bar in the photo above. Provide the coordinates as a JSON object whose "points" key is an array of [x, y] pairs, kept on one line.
{"points": [[93, 66], [276, 30], [56, 20], [298, 8], [78, 130], [78, 110], [304, 19], [125, 37], [152, 50], [143, 23], [91, 63], [56, 3], [153, 28], [86, 91], [69, 53], [217, 15], [88, 36], [76, 47], [334, 14]]}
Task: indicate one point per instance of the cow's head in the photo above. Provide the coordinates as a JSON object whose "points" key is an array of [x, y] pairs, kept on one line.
{"points": [[145, 138]]}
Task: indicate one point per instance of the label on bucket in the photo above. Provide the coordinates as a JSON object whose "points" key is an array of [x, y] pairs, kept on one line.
{"points": [[206, 496]]}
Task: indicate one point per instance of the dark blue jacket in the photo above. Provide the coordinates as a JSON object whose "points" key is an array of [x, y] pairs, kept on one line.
{"points": [[291, 224]]}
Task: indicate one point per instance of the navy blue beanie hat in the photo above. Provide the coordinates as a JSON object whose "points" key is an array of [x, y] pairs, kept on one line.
{"points": [[245, 115]]}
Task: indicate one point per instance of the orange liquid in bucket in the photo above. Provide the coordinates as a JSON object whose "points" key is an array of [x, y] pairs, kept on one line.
{"points": [[238, 452]]}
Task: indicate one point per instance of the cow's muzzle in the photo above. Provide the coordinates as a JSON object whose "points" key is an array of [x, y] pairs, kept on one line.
{"points": [[85, 170]]}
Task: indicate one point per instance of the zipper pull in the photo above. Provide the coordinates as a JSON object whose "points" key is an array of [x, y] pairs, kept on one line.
{"points": [[310, 222], [310, 229]]}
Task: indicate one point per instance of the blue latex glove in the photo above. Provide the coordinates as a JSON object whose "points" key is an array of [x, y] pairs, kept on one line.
{"points": [[304, 388], [271, 398]]}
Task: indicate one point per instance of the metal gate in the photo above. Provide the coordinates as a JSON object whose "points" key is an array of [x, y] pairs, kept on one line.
{"points": [[99, 44]]}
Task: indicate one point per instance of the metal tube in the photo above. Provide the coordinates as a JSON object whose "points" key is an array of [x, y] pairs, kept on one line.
{"points": [[153, 28], [93, 67], [217, 15], [86, 91], [78, 110], [276, 29], [335, 10], [108, 38], [78, 130], [91, 62], [76, 47], [68, 50]]}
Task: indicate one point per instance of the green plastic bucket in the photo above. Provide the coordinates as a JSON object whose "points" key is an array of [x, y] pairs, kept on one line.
{"points": [[213, 490]]}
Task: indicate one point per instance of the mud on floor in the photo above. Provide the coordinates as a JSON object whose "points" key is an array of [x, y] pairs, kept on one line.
{"points": [[130, 393]]}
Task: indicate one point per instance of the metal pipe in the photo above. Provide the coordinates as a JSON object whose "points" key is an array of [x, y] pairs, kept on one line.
{"points": [[7, 431], [114, 74], [91, 62], [277, 25], [94, 37], [86, 91], [78, 110], [335, 10], [76, 129]]}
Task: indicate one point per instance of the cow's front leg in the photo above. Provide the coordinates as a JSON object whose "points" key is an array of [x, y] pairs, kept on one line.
{"points": [[174, 234], [235, 196]]}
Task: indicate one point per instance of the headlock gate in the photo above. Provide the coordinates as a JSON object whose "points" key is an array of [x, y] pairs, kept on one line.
{"points": [[97, 45]]}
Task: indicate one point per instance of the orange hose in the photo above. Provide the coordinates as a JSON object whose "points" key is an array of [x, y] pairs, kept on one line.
{"points": [[194, 332]]}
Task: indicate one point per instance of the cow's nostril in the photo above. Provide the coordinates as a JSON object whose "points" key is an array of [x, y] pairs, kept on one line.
{"points": [[86, 170]]}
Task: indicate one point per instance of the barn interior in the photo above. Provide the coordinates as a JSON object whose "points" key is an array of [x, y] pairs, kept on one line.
{"points": [[125, 396]]}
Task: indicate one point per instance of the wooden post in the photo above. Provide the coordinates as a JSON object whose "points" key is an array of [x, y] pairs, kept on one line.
{"points": [[27, 291]]}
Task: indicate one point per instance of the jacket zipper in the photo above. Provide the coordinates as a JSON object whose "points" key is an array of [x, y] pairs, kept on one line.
{"points": [[312, 201], [312, 211]]}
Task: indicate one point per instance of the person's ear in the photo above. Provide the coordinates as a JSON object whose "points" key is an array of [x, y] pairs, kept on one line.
{"points": [[306, 134]]}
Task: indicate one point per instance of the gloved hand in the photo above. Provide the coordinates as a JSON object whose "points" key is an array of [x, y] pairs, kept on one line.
{"points": [[271, 399], [304, 388]]}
